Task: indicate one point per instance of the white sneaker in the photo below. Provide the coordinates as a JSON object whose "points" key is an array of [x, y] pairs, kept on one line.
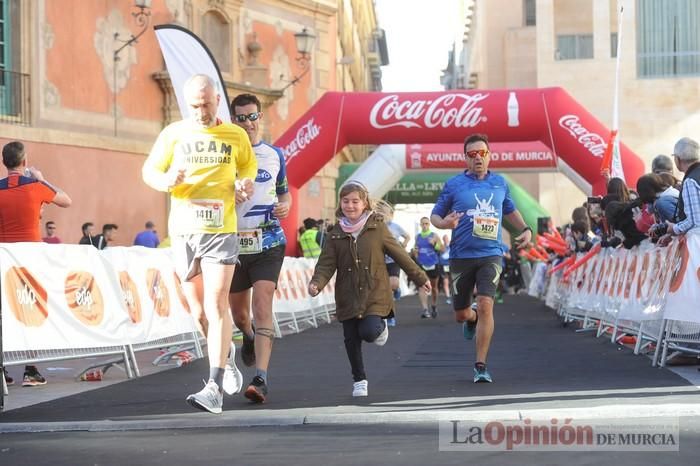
{"points": [[359, 388], [384, 336], [233, 379], [210, 398]]}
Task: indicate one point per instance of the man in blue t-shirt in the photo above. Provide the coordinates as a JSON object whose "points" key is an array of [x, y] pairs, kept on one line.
{"points": [[147, 238], [473, 204], [262, 243], [428, 248]]}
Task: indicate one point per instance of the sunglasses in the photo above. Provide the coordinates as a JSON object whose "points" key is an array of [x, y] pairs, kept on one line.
{"points": [[483, 153], [251, 117]]}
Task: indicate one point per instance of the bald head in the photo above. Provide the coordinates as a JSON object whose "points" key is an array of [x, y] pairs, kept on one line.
{"points": [[199, 82], [202, 99]]}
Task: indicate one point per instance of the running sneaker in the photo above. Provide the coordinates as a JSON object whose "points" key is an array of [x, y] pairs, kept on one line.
{"points": [[257, 390], [391, 321], [448, 300], [210, 398], [248, 350], [233, 379], [8, 380], [433, 312], [425, 314], [481, 374], [359, 388], [469, 327], [384, 336], [32, 377]]}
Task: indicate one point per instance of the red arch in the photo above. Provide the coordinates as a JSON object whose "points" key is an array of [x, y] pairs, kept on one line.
{"points": [[548, 115]]}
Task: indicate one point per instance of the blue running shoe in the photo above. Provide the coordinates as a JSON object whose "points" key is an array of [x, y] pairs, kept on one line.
{"points": [[481, 374], [469, 328], [391, 322]]}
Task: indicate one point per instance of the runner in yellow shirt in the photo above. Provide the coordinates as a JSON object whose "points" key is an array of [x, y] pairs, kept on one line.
{"points": [[207, 166]]}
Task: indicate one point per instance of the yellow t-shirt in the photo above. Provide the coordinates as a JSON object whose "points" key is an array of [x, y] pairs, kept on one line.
{"points": [[213, 158]]}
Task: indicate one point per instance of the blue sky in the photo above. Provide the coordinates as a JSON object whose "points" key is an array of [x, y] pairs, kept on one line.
{"points": [[419, 34]]}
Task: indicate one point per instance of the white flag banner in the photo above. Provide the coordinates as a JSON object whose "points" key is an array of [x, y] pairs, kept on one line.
{"points": [[185, 55]]}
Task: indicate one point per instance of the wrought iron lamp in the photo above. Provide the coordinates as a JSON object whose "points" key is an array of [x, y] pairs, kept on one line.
{"points": [[142, 17], [305, 43]]}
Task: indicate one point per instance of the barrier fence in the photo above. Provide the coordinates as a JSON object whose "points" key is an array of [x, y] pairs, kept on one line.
{"points": [[648, 294], [63, 302]]}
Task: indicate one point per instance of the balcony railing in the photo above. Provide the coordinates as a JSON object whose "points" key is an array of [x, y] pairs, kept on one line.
{"points": [[14, 98]]}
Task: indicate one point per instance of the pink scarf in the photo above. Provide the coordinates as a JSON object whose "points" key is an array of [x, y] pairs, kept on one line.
{"points": [[353, 228]]}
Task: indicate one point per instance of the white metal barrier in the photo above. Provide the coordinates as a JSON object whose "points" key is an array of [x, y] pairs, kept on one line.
{"points": [[63, 302], [649, 292]]}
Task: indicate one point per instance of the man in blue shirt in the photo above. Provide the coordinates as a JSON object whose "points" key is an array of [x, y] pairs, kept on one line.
{"points": [[148, 237], [686, 154], [473, 204]]}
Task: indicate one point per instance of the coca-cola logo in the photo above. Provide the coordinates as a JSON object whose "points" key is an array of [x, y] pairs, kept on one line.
{"points": [[303, 138], [447, 110], [593, 142]]}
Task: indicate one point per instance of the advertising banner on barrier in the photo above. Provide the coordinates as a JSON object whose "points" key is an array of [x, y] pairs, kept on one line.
{"points": [[644, 283], [151, 292], [683, 301], [59, 296]]}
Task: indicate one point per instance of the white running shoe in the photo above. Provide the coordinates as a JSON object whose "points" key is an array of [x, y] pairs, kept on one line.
{"points": [[359, 388], [233, 379], [210, 398], [384, 336]]}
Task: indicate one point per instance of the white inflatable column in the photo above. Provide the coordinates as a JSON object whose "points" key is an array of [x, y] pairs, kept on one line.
{"points": [[382, 170]]}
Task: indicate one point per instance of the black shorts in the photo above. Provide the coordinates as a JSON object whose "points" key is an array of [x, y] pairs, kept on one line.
{"points": [[393, 269], [253, 267], [484, 272], [431, 273]]}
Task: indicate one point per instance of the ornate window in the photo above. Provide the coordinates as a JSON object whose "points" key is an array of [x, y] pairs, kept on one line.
{"points": [[216, 33]]}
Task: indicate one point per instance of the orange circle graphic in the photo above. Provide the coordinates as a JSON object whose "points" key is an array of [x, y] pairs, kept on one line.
{"points": [[291, 284], [181, 294], [641, 281], [84, 298], [601, 276], [678, 266], [131, 296], [621, 277], [158, 292], [303, 290], [28, 300], [631, 271]]}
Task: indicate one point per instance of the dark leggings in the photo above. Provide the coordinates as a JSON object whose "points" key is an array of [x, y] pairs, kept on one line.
{"points": [[355, 330]]}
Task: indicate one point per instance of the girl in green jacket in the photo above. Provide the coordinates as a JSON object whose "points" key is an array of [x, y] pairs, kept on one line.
{"points": [[355, 250]]}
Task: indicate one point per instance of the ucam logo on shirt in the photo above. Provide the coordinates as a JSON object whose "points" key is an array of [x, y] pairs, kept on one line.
{"points": [[263, 176]]}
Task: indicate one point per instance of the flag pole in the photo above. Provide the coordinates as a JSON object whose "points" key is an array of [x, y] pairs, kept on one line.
{"points": [[611, 158], [616, 170]]}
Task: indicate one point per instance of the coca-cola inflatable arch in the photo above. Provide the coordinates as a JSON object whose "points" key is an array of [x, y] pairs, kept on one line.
{"points": [[548, 115]]}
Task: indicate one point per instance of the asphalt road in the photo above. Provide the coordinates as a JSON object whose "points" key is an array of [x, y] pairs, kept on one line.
{"points": [[395, 444]]}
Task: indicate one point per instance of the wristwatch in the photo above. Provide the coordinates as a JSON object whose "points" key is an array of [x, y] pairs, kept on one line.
{"points": [[526, 229]]}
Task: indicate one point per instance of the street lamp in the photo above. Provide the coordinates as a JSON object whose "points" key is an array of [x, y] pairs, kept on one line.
{"points": [[305, 43], [142, 17]]}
